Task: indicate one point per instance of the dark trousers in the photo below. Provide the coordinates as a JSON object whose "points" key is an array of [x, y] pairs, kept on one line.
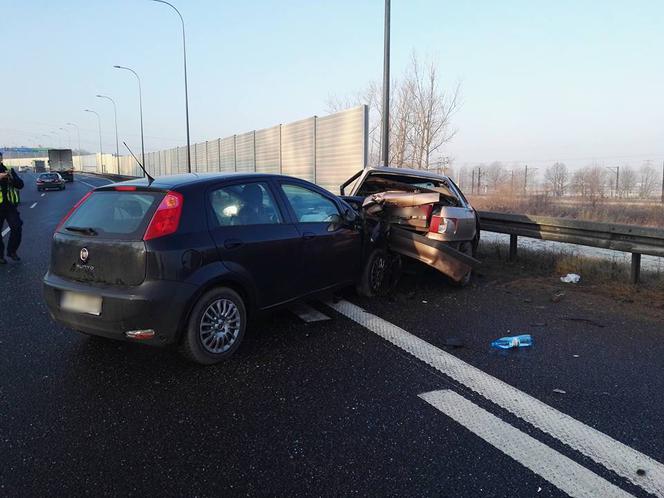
{"points": [[13, 218]]}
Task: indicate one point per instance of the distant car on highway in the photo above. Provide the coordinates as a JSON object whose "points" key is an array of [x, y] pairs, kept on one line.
{"points": [[50, 181], [187, 259]]}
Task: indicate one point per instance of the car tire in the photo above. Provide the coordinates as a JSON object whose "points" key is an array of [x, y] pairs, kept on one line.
{"points": [[215, 328], [380, 274], [467, 248]]}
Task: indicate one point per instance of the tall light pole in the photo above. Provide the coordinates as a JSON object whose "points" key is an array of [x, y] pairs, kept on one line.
{"points": [[101, 152], [78, 133], [186, 92], [385, 152], [140, 108], [117, 143]]}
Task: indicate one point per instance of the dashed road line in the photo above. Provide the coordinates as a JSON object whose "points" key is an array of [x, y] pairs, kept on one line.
{"points": [[601, 448], [33, 205], [561, 471], [5, 231], [88, 184], [43, 195]]}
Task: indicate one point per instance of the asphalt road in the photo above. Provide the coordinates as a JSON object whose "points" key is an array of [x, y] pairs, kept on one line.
{"points": [[333, 407]]}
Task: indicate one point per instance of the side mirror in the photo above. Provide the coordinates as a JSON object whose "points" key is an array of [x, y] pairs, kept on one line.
{"points": [[350, 216]]}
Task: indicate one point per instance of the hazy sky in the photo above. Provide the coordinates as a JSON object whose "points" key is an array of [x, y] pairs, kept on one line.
{"points": [[541, 81]]}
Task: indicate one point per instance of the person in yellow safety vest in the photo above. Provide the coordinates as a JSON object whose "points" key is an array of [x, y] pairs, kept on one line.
{"points": [[10, 184]]}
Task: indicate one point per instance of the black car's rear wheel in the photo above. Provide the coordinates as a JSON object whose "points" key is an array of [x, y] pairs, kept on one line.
{"points": [[216, 327], [381, 273]]}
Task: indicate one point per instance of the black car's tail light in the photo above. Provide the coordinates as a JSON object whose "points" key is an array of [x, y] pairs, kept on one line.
{"points": [[71, 211], [166, 218]]}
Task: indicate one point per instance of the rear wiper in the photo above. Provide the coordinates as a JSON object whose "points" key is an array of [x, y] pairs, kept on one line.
{"points": [[83, 230]]}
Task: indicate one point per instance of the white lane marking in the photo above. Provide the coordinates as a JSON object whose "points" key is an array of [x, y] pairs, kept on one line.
{"points": [[33, 205], [308, 313], [88, 184], [5, 231], [561, 471], [43, 195], [603, 449]]}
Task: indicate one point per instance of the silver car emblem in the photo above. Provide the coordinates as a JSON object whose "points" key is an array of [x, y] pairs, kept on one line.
{"points": [[84, 255]]}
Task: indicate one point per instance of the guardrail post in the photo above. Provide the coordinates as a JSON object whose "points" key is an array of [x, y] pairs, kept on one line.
{"points": [[513, 239], [636, 268]]}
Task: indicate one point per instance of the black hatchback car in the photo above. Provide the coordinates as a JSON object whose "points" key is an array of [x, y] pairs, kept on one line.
{"points": [[186, 259]]}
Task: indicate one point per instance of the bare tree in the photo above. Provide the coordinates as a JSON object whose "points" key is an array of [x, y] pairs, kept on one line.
{"points": [[556, 178], [649, 181], [627, 182], [496, 176], [420, 115], [432, 111], [590, 182]]}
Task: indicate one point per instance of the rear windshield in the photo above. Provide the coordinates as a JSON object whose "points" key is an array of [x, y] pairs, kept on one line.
{"points": [[48, 176], [378, 182], [112, 214]]}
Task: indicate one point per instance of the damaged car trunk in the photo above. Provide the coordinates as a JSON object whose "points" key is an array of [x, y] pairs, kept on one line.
{"points": [[416, 214]]}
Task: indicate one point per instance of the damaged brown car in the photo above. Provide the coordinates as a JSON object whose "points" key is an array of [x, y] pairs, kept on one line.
{"points": [[412, 213]]}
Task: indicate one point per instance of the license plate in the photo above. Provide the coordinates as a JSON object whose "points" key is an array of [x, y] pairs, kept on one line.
{"points": [[81, 303]]}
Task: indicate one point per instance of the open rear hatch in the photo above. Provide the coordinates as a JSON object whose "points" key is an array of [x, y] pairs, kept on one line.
{"points": [[102, 239]]}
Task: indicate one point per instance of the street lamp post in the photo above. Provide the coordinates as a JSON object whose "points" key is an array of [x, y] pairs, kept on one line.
{"points": [[101, 152], [140, 107], [115, 114], [78, 133], [186, 92], [385, 152]]}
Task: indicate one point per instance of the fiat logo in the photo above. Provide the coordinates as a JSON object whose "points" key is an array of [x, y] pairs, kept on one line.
{"points": [[84, 255]]}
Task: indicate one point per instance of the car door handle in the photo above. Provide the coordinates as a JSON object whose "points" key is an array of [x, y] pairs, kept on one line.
{"points": [[308, 235], [233, 243]]}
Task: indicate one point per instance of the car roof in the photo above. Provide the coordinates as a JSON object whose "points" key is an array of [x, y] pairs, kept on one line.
{"points": [[395, 170], [187, 179]]}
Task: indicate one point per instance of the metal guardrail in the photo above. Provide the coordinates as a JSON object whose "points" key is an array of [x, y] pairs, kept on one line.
{"points": [[625, 238]]}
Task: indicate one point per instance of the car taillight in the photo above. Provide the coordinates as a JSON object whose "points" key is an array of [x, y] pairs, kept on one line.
{"points": [[440, 224], [166, 218], [71, 211]]}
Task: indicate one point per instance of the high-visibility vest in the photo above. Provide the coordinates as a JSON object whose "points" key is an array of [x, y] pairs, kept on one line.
{"points": [[13, 195]]}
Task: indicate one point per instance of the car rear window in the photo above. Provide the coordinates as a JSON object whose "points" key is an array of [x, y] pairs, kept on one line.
{"points": [[113, 214], [49, 176], [377, 182]]}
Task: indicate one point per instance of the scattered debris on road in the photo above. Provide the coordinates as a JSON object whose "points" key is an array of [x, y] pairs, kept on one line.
{"points": [[559, 391], [509, 342], [571, 278], [558, 296], [583, 320]]}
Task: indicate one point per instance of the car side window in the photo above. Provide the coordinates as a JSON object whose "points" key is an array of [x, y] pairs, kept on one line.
{"points": [[309, 206], [244, 204]]}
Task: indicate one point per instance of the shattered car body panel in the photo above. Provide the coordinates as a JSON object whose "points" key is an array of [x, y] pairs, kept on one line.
{"points": [[418, 214]]}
